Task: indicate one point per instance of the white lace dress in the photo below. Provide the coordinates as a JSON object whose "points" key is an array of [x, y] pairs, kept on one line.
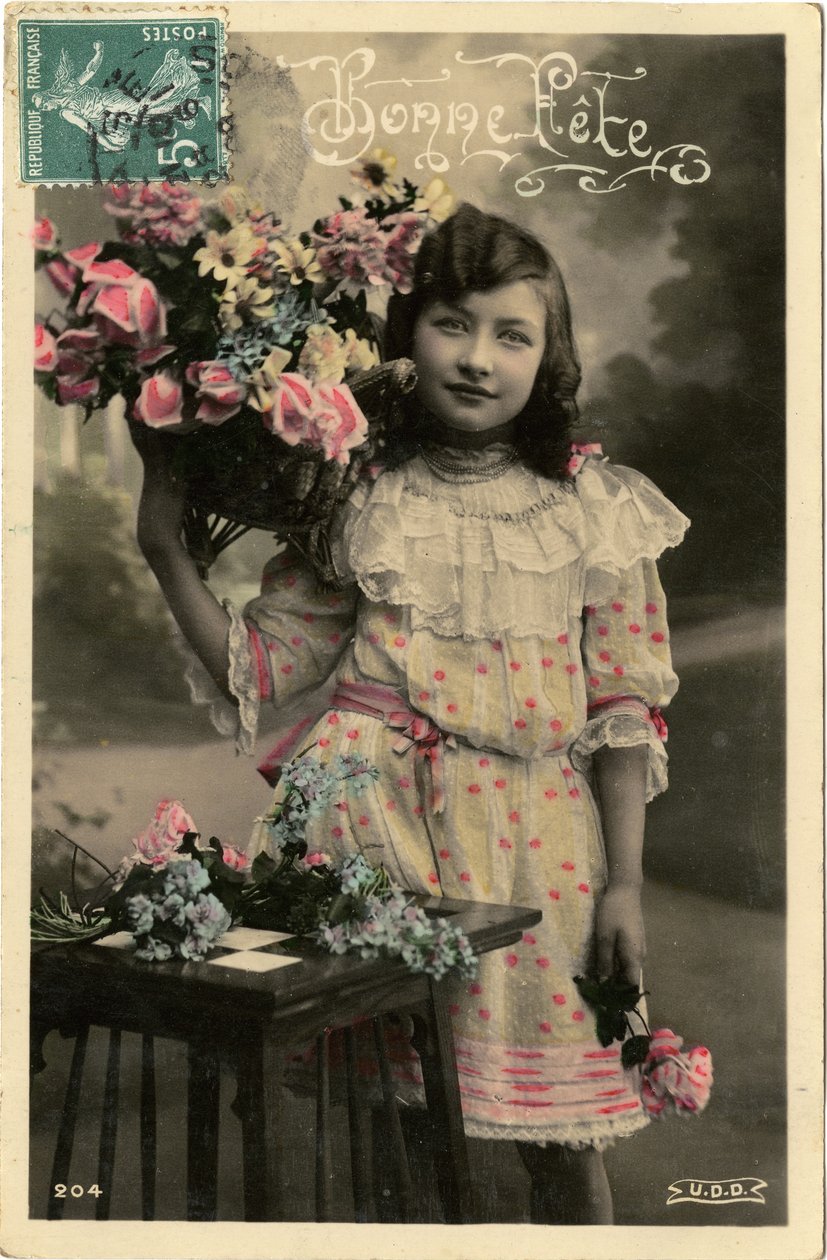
{"points": [[526, 618]]}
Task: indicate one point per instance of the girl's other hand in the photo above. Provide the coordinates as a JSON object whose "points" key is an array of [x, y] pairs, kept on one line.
{"points": [[621, 939], [163, 495]]}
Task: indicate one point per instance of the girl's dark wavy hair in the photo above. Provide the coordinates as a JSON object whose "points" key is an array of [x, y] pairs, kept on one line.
{"points": [[471, 252]]}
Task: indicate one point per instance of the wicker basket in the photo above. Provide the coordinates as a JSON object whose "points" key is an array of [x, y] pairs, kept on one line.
{"points": [[240, 476]]}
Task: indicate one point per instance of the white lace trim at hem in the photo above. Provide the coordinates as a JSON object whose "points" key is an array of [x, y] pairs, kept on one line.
{"points": [[591, 1133], [227, 718], [578, 1136]]}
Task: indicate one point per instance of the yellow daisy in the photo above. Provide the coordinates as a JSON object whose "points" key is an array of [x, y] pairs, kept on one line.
{"points": [[246, 299], [227, 254], [375, 173], [437, 199], [296, 261]]}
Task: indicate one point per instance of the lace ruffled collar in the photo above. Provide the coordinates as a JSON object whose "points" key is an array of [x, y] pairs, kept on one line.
{"points": [[517, 552]]}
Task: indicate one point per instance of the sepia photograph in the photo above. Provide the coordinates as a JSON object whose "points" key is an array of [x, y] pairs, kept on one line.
{"points": [[413, 656]]}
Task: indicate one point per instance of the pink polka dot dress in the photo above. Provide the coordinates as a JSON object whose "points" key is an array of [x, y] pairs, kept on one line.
{"points": [[524, 618]]}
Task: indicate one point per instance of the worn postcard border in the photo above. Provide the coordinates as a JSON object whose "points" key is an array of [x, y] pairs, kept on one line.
{"points": [[801, 24]]}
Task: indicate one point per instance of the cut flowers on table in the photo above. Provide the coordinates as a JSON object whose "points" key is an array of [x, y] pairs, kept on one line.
{"points": [[177, 897]]}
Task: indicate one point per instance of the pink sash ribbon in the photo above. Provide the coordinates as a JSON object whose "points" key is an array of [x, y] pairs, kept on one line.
{"points": [[385, 704], [416, 729]]}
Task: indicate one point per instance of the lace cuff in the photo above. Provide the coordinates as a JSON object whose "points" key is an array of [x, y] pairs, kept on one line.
{"points": [[624, 727], [240, 720]]}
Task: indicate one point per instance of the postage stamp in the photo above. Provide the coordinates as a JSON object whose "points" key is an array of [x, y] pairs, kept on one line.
{"points": [[108, 99]]}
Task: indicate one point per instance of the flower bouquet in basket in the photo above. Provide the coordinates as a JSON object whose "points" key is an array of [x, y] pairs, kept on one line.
{"points": [[177, 897], [255, 349]]}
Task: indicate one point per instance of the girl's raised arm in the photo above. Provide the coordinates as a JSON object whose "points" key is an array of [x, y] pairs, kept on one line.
{"points": [[203, 621]]}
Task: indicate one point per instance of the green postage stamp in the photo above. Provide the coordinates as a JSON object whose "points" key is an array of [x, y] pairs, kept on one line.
{"points": [[108, 98]]}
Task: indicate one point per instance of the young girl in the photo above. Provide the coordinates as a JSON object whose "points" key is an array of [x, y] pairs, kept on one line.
{"points": [[500, 652]]}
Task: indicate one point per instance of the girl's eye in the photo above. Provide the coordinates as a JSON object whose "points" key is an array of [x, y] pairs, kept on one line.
{"points": [[515, 337], [450, 322]]}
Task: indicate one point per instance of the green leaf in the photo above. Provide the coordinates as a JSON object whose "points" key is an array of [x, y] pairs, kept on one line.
{"points": [[263, 866], [187, 845], [589, 989], [634, 1050], [605, 1027]]}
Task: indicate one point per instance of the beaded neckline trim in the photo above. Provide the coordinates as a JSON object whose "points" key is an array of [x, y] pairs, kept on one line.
{"points": [[511, 518], [467, 474]]}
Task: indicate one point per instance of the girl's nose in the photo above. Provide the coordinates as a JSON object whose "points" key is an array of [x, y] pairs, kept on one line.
{"points": [[476, 357]]}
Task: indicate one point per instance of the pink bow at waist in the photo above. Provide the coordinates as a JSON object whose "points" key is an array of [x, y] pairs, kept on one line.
{"points": [[416, 730]]}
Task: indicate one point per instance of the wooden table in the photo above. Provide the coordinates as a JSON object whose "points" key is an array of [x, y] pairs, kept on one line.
{"points": [[248, 1017]]}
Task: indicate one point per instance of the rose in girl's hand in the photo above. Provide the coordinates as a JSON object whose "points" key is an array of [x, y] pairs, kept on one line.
{"points": [[669, 1073], [236, 859], [164, 834], [620, 934]]}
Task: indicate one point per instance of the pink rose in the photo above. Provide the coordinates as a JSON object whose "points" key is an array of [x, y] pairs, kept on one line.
{"points": [[235, 858], [670, 1074], [148, 356], [62, 275], [340, 423], [45, 349], [324, 417], [222, 394], [162, 838], [44, 234], [290, 417], [160, 402], [79, 355], [126, 306], [311, 860], [64, 270]]}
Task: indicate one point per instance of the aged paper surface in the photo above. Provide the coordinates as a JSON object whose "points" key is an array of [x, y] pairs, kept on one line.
{"points": [[673, 169]]}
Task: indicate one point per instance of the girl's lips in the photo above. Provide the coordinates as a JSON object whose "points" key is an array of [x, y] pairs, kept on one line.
{"points": [[470, 391]]}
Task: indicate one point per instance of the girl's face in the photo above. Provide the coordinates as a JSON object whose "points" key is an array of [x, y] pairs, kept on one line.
{"points": [[477, 356]]}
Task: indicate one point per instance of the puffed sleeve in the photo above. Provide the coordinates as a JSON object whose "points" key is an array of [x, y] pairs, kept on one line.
{"points": [[284, 642], [625, 642]]}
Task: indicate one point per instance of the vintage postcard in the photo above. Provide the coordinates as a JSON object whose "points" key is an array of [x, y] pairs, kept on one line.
{"points": [[375, 373]]}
